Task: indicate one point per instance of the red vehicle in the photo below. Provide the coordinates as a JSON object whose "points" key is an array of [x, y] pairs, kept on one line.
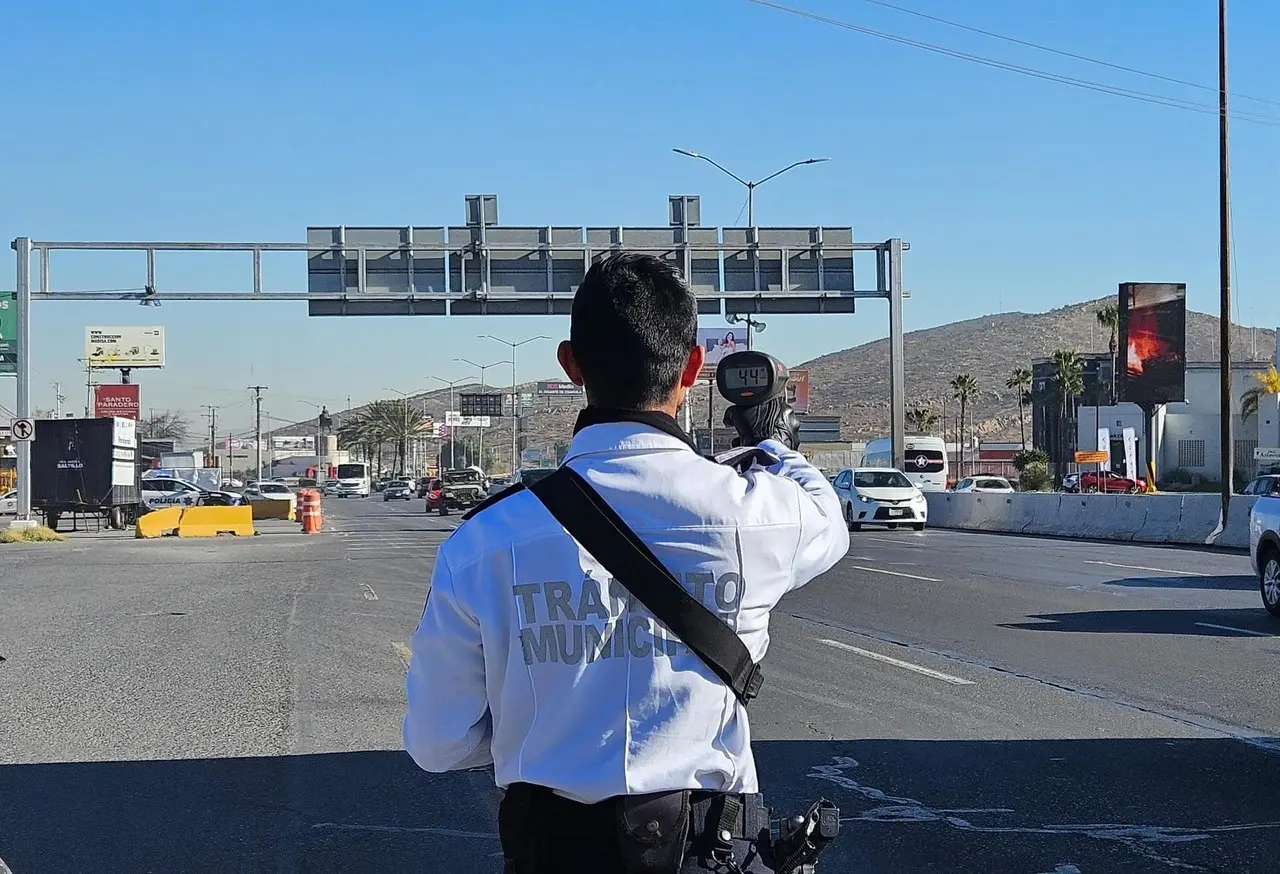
{"points": [[1110, 483], [433, 491]]}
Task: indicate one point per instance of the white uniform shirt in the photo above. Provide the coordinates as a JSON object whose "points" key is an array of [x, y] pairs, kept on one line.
{"points": [[528, 656]]}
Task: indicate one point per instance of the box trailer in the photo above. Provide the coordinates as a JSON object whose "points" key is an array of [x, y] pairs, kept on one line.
{"points": [[85, 467]]}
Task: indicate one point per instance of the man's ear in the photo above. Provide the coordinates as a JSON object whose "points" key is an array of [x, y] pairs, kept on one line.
{"points": [[693, 367], [564, 354]]}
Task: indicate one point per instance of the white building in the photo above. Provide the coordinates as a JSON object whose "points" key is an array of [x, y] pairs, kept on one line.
{"points": [[1186, 434]]}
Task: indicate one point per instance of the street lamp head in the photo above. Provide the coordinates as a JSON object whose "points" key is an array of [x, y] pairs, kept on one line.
{"points": [[816, 160], [732, 318], [687, 153]]}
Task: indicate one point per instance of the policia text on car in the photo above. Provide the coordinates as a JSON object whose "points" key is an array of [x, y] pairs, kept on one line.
{"points": [[597, 637]]}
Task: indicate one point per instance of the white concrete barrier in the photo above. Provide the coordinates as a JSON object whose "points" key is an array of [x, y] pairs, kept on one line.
{"points": [[1162, 518]]}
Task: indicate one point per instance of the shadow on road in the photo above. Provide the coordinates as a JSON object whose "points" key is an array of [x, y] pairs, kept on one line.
{"points": [[1202, 622], [1225, 583], [992, 806]]}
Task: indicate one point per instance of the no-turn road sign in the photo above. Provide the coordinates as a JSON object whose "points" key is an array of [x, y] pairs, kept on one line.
{"points": [[22, 430]]}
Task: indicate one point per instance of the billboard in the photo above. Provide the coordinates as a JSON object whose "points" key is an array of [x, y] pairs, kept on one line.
{"points": [[124, 347], [9, 333], [558, 388], [1153, 342], [480, 405], [798, 391], [305, 445], [121, 401], [719, 342]]}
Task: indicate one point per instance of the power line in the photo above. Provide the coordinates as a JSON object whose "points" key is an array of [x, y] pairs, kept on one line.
{"points": [[1061, 52], [1088, 85]]}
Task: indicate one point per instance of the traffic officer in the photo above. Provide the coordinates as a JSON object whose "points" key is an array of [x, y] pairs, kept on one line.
{"points": [[609, 735]]}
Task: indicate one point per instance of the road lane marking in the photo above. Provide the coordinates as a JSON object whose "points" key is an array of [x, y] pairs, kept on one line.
{"points": [[368, 592], [876, 570], [1159, 570], [889, 660], [1236, 630], [403, 653], [894, 541]]}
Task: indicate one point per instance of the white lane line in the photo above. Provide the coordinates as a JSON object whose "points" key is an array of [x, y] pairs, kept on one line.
{"points": [[888, 660], [894, 541], [1159, 570], [1236, 630], [368, 592], [876, 570]]}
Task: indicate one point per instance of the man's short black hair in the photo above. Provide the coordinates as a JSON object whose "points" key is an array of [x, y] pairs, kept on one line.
{"points": [[634, 323]]}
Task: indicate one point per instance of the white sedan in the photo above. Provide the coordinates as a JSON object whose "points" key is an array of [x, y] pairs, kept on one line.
{"points": [[880, 496], [9, 503], [983, 484]]}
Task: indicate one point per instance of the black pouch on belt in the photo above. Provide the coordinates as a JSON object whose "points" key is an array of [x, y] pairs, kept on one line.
{"points": [[520, 829], [652, 830]]}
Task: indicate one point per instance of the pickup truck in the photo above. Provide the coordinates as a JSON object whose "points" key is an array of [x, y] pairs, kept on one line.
{"points": [[1264, 548]]}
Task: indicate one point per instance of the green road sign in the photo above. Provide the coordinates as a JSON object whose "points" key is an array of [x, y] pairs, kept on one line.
{"points": [[8, 332]]}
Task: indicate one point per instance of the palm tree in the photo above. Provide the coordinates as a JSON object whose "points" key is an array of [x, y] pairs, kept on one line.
{"points": [[1068, 381], [396, 422], [1268, 384], [1020, 381], [963, 387], [921, 421], [1109, 318]]}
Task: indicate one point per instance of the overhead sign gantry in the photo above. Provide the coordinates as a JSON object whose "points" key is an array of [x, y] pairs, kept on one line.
{"points": [[481, 268]]}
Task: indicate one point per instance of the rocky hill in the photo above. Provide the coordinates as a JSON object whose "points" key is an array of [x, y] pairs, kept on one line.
{"points": [[854, 383]]}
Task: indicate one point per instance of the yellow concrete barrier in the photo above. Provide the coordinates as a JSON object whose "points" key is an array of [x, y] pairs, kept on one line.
{"points": [[272, 509], [212, 521], [159, 522]]}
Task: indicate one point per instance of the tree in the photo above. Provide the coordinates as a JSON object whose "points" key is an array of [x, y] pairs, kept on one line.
{"points": [[1020, 381], [921, 421], [1109, 318], [164, 425], [1068, 383], [963, 387], [398, 422], [1268, 384]]}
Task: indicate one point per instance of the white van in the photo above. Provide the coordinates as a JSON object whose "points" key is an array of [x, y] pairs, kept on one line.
{"points": [[924, 461]]}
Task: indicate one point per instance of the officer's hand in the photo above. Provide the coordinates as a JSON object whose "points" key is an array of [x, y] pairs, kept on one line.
{"points": [[772, 420]]}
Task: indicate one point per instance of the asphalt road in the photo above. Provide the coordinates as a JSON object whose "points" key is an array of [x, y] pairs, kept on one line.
{"points": [[971, 702]]}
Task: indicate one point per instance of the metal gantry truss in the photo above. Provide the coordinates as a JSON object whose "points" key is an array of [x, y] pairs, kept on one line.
{"points": [[484, 270]]}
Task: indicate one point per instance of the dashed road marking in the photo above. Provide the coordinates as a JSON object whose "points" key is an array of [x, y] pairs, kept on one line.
{"points": [[899, 663]]}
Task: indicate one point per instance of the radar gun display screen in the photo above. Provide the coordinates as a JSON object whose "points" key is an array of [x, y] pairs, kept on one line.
{"points": [[750, 378]]}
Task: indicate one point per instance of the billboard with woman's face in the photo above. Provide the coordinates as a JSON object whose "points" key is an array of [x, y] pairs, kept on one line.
{"points": [[1152, 352]]}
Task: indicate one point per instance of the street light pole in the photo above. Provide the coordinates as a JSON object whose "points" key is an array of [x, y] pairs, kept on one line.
{"points": [[750, 186], [452, 455], [515, 400], [482, 368], [1224, 270]]}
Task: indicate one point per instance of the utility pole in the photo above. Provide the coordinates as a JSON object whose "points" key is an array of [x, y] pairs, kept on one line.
{"points": [[57, 400], [212, 416], [515, 396], [257, 426], [1224, 270]]}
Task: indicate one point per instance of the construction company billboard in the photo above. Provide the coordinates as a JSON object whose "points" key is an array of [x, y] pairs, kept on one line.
{"points": [[719, 342], [1153, 343], [124, 347], [120, 401], [303, 445]]}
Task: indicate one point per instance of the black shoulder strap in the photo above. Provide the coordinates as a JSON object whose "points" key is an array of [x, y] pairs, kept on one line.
{"points": [[602, 533]]}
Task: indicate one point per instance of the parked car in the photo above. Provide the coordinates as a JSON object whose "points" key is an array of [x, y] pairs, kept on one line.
{"points": [[433, 491], [983, 483], [880, 496], [9, 503], [1109, 483], [397, 490], [1264, 549]]}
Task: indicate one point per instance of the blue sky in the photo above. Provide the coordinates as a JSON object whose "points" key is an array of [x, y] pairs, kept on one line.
{"points": [[133, 120]]}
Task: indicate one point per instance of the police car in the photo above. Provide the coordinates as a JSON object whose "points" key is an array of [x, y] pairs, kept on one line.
{"points": [[161, 491]]}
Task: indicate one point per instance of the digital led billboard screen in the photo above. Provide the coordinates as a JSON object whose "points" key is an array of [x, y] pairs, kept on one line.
{"points": [[1153, 343]]}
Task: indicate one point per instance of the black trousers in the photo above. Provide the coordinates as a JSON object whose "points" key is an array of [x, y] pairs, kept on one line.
{"points": [[544, 833]]}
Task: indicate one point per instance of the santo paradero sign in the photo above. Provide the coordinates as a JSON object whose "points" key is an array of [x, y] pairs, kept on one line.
{"points": [[392, 271]]}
